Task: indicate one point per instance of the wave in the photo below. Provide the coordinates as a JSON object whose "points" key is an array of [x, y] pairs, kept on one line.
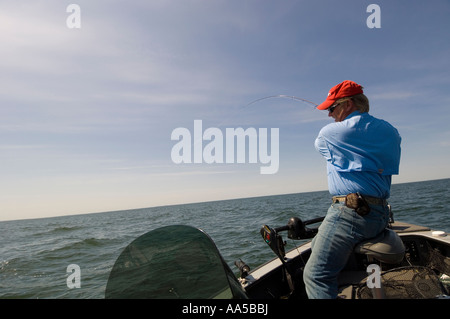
{"points": [[59, 230], [65, 229], [86, 243]]}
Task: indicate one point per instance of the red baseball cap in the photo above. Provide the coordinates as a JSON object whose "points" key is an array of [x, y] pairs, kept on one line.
{"points": [[344, 89]]}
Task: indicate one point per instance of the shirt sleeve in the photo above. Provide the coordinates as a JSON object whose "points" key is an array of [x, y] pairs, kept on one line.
{"points": [[321, 147]]}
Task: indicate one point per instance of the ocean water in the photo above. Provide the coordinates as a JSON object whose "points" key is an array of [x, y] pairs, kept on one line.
{"points": [[35, 253]]}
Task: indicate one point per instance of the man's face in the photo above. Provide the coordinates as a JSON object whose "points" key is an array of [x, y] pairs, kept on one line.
{"points": [[340, 110]]}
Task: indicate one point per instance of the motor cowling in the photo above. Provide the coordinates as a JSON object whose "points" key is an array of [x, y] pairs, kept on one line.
{"points": [[296, 228]]}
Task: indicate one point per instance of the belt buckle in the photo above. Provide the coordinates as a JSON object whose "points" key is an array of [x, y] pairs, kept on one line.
{"points": [[338, 199]]}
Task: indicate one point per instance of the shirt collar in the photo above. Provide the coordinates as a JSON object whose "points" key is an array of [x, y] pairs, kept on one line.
{"points": [[355, 113]]}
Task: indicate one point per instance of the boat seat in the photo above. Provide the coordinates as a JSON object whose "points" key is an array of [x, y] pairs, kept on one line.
{"points": [[386, 247]]}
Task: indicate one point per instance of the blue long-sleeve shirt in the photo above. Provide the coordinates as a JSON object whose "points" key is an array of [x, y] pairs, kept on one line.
{"points": [[362, 154]]}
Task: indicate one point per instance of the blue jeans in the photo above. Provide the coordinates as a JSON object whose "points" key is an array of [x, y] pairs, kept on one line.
{"points": [[338, 234]]}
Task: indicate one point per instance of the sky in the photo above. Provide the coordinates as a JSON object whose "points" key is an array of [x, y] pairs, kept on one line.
{"points": [[91, 96]]}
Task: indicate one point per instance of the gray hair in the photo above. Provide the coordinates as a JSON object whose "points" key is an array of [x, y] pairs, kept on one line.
{"points": [[362, 102]]}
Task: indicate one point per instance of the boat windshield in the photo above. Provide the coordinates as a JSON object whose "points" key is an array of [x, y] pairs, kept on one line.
{"points": [[172, 262]]}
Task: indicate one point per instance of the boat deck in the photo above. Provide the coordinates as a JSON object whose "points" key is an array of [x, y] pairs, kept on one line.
{"points": [[420, 242], [401, 227]]}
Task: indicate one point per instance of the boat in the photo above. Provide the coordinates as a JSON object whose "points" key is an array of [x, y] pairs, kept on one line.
{"points": [[406, 261]]}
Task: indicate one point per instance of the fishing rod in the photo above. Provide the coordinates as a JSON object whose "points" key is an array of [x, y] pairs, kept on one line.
{"points": [[284, 96]]}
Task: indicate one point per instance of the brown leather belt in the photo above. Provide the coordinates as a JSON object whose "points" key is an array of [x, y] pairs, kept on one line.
{"points": [[369, 200]]}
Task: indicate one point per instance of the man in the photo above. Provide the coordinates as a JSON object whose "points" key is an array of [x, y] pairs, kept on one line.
{"points": [[362, 153]]}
